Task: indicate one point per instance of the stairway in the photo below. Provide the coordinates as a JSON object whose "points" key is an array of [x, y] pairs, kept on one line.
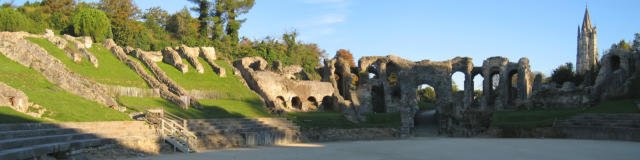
{"points": [[601, 126], [251, 131], [30, 140]]}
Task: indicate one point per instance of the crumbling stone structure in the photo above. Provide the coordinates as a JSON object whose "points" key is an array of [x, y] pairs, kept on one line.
{"points": [[282, 93]]}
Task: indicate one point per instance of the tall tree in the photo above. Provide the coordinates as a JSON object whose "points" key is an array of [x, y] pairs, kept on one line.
{"points": [[122, 14], [183, 26], [235, 8], [58, 6], [218, 21], [204, 18]]}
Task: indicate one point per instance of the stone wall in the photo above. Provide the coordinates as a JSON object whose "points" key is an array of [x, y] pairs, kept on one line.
{"points": [[82, 48], [191, 54], [281, 93], [209, 55], [14, 47], [354, 134], [136, 135], [13, 98], [170, 56]]}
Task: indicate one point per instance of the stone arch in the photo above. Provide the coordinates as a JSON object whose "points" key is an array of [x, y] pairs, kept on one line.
{"points": [[456, 76], [328, 103], [296, 103], [512, 86], [614, 62], [491, 91], [312, 100]]}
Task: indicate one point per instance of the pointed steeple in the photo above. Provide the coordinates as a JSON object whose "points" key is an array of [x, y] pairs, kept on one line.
{"points": [[586, 22]]}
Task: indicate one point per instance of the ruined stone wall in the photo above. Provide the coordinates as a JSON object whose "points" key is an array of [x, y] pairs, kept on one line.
{"points": [[281, 93], [14, 47], [191, 54], [13, 98], [617, 72]]}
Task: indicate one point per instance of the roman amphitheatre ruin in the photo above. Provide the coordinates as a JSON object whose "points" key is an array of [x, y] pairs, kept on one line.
{"points": [[377, 85]]}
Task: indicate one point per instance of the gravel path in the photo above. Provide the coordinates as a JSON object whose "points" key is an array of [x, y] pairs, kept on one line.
{"points": [[432, 148]]}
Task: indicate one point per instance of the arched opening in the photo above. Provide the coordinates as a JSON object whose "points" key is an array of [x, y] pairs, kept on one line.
{"points": [[426, 97], [425, 120], [614, 62], [513, 86], [255, 66], [373, 71], [296, 103], [280, 101], [477, 88], [494, 81], [327, 103], [378, 99], [457, 81], [313, 102], [393, 80]]}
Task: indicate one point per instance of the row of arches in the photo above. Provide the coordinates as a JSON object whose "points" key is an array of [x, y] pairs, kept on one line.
{"points": [[310, 103]]}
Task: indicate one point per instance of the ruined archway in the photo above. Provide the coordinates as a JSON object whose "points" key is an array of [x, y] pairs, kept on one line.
{"points": [[477, 89], [512, 85], [313, 102], [494, 83], [328, 103], [296, 103]]}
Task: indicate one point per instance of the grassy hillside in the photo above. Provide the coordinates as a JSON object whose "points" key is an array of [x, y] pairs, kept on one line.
{"points": [[61, 105], [542, 118], [212, 108], [110, 70], [8, 115], [228, 87]]}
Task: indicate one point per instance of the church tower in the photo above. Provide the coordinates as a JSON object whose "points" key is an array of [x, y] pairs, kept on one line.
{"points": [[587, 57]]}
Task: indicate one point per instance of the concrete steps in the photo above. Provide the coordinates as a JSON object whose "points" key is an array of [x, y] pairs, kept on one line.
{"points": [[29, 140], [238, 132], [601, 126]]}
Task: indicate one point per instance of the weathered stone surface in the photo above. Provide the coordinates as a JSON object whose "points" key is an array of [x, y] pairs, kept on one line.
{"points": [[13, 98], [209, 55], [82, 48], [617, 72], [281, 93], [13, 46], [172, 57], [150, 79], [324, 135], [191, 54]]}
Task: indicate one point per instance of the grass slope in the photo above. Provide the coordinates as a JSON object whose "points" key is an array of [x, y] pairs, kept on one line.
{"points": [[61, 105], [212, 108], [8, 115], [110, 71], [545, 118], [228, 87]]}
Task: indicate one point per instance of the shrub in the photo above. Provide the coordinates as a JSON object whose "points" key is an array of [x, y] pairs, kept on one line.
{"points": [[92, 22], [12, 20], [564, 73]]}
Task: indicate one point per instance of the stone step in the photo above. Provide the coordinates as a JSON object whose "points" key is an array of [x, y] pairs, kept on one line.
{"points": [[34, 133], [29, 141], [43, 149], [604, 123], [27, 126], [222, 120], [240, 130], [222, 123], [232, 129]]}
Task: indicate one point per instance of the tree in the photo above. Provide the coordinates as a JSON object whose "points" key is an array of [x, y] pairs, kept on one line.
{"points": [[12, 20], [235, 8], [564, 73], [122, 14], [183, 26], [218, 21], [64, 7], [92, 22], [204, 18], [621, 45], [636, 43], [347, 56]]}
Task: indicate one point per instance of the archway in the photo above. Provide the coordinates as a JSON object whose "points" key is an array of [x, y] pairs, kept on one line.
{"points": [[296, 103], [378, 99], [327, 103], [425, 120], [494, 82], [512, 86], [457, 81], [313, 102], [477, 88]]}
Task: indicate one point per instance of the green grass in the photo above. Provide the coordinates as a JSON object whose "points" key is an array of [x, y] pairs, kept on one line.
{"points": [[60, 104], [545, 118], [228, 87], [110, 70], [212, 108], [426, 105], [8, 115], [337, 120]]}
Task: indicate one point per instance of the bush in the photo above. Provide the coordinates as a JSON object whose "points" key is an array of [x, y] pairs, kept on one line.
{"points": [[92, 22], [12, 20], [564, 73]]}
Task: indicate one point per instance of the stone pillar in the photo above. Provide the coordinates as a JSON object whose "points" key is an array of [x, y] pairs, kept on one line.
{"points": [[468, 90], [486, 89]]}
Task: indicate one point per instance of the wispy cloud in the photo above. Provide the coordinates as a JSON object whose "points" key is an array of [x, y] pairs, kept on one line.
{"points": [[323, 23]]}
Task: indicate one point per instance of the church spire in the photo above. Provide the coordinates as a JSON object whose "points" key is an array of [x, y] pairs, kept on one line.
{"points": [[586, 22]]}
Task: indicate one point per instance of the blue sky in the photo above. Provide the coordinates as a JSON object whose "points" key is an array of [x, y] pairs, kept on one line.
{"points": [[542, 30]]}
